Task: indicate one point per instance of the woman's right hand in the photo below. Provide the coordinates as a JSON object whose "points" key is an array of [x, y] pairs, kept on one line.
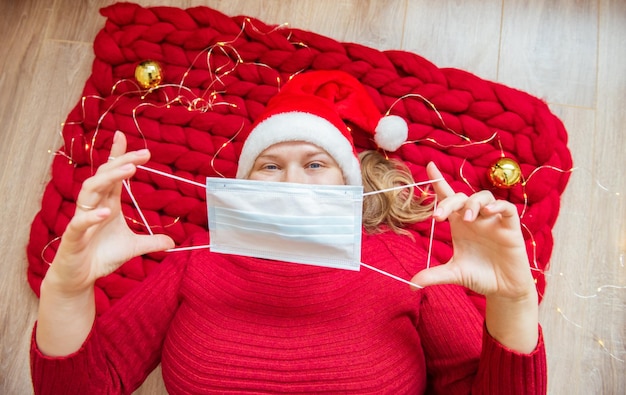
{"points": [[98, 240]]}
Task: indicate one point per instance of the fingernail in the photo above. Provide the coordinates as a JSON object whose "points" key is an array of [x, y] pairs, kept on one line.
{"points": [[468, 215], [438, 212], [142, 152]]}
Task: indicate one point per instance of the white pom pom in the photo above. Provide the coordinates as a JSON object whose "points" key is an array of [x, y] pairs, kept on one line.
{"points": [[391, 132]]}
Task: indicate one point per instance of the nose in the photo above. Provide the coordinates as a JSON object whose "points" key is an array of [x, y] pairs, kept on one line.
{"points": [[294, 174]]}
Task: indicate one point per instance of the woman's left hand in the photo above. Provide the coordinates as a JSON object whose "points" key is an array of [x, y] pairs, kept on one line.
{"points": [[489, 253], [489, 257]]}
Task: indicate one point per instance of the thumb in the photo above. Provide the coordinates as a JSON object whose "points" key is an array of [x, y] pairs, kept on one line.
{"points": [[153, 243], [441, 274]]}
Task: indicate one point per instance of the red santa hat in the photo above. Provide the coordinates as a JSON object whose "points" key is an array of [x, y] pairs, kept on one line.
{"points": [[314, 107]]}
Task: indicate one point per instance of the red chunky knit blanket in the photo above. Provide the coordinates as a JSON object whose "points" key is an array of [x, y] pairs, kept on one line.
{"points": [[218, 74]]}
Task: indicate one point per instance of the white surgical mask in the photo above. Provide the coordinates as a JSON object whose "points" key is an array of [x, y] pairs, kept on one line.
{"points": [[317, 224], [300, 223]]}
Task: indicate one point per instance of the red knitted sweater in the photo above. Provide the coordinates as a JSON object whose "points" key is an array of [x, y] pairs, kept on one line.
{"points": [[223, 323]]}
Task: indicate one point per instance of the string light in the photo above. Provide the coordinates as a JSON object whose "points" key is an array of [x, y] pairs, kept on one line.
{"points": [[596, 338], [48, 246], [224, 145], [140, 223], [433, 107], [590, 296], [462, 176]]}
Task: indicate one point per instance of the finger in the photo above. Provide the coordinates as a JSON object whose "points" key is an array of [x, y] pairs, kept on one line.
{"points": [[119, 144], [442, 188], [88, 199], [107, 182], [153, 243], [450, 205], [502, 207], [102, 185], [82, 221], [507, 211], [118, 157], [436, 275], [475, 204]]}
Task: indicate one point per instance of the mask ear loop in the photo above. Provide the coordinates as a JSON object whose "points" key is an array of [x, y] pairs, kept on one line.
{"points": [[132, 197], [199, 247], [384, 273], [432, 232], [161, 173], [417, 184], [430, 238], [126, 185]]}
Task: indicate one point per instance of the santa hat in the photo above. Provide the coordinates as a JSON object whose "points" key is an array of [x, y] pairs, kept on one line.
{"points": [[313, 107]]}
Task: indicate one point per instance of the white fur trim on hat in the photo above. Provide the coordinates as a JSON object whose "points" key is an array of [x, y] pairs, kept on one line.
{"points": [[391, 132], [300, 126]]}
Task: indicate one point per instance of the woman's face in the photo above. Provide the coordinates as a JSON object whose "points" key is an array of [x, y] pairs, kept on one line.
{"points": [[296, 161]]}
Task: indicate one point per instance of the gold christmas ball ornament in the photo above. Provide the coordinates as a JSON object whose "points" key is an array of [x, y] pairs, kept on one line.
{"points": [[148, 74], [505, 173]]}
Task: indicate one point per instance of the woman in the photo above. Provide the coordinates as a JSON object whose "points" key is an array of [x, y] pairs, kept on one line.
{"points": [[230, 323]]}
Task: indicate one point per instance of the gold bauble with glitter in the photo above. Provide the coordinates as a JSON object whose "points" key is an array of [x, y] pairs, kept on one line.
{"points": [[505, 173], [148, 74]]}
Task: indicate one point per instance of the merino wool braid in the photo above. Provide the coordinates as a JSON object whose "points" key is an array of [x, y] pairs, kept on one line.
{"points": [[224, 323], [476, 122]]}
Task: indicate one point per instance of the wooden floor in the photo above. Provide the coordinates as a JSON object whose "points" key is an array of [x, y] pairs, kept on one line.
{"points": [[570, 53]]}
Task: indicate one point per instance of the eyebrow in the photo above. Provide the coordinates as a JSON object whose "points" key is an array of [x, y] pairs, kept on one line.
{"points": [[317, 152], [310, 154]]}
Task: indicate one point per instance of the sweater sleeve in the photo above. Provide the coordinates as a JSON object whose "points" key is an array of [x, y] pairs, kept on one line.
{"points": [[462, 358], [124, 345], [503, 371]]}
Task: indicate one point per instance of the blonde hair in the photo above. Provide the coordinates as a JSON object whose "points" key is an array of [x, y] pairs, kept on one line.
{"points": [[395, 208]]}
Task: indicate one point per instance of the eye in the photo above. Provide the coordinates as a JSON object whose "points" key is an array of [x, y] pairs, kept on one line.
{"points": [[269, 166], [315, 165]]}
